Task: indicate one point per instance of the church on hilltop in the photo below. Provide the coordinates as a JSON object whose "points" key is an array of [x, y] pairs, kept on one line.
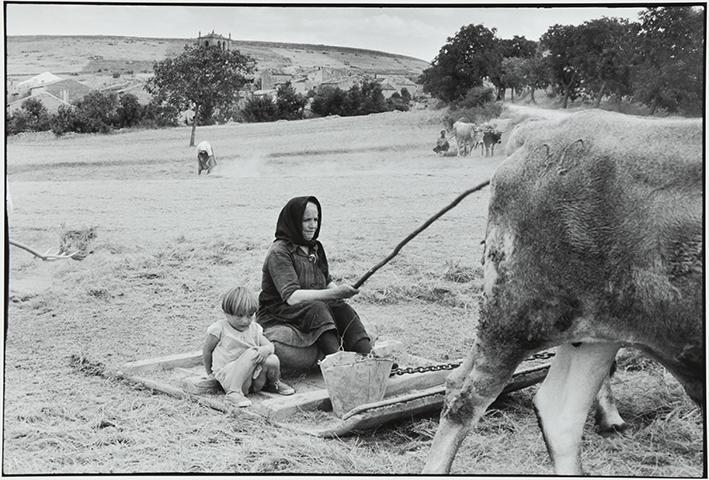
{"points": [[214, 40]]}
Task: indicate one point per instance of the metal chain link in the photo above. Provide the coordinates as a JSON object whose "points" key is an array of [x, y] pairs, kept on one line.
{"points": [[451, 366]]}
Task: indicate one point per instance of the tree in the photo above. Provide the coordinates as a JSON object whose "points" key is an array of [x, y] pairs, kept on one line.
{"points": [[199, 78], [32, 116], [563, 59], [129, 111], [64, 121], [535, 73], [372, 98], [396, 102], [260, 109], [512, 74], [518, 47], [329, 101], [462, 63], [607, 56], [670, 70], [290, 104], [501, 76], [158, 113], [96, 112]]}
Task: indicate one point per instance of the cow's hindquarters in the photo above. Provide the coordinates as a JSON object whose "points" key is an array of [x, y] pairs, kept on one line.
{"points": [[564, 399]]}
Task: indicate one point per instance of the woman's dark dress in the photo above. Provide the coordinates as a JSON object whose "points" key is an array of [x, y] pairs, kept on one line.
{"points": [[287, 269]]}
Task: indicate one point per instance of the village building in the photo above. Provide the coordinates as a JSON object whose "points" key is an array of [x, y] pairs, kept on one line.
{"points": [[399, 82], [388, 90], [214, 40], [37, 81], [52, 91], [50, 102], [271, 80], [69, 90], [137, 89], [342, 83]]}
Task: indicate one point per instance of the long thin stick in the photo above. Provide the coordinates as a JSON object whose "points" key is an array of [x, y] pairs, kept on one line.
{"points": [[34, 252], [417, 231]]}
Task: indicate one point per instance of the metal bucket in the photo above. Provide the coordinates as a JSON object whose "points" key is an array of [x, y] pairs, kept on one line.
{"points": [[353, 379]]}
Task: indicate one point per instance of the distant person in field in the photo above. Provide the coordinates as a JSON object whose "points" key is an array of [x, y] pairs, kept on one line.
{"points": [[442, 144], [205, 157], [237, 354], [299, 304]]}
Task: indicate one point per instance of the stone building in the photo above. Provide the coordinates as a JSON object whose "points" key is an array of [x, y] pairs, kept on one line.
{"points": [[214, 40]]}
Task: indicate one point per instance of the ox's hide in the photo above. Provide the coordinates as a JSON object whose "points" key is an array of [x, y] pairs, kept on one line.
{"points": [[464, 136], [608, 208]]}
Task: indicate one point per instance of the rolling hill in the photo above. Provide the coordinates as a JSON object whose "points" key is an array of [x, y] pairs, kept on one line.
{"points": [[96, 60]]}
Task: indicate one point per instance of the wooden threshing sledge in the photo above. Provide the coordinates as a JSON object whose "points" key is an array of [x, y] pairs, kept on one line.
{"points": [[417, 386]]}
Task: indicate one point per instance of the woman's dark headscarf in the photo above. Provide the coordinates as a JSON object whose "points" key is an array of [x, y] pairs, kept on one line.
{"points": [[290, 221]]}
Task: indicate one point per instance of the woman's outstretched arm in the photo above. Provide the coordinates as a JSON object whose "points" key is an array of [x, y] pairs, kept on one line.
{"points": [[332, 292]]}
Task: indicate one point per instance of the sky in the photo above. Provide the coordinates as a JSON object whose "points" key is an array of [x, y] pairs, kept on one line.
{"points": [[410, 29]]}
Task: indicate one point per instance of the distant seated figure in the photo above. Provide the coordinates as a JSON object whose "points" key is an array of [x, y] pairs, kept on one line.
{"points": [[205, 157], [441, 143]]}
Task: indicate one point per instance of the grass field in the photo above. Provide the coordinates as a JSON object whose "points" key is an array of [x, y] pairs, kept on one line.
{"points": [[168, 243]]}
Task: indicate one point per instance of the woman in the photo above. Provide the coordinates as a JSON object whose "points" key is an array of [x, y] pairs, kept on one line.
{"points": [[300, 308]]}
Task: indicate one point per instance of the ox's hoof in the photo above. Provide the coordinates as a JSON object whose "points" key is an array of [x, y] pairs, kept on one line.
{"points": [[613, 429]]}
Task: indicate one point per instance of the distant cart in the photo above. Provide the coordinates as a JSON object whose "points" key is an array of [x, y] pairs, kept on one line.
{"points": [[415, 387]]}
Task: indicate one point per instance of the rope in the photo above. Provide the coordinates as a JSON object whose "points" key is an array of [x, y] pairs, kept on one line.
{"points": [[417, 231]]}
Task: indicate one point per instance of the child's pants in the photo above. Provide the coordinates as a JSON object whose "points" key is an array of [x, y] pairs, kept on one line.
{"points": [[239, 374]]}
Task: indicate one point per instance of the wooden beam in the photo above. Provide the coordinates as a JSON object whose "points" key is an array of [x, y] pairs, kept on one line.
{"points": [[189, 359]]}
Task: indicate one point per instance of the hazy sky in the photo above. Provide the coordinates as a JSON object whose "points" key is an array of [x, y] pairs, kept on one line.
{"points": [[411, 29]]}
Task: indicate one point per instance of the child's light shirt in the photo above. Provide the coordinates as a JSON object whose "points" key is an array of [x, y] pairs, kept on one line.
{"points": [[232, 343]]}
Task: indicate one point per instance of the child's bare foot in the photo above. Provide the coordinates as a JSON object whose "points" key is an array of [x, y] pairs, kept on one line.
{"points": [[238, 399], [280, 388]]}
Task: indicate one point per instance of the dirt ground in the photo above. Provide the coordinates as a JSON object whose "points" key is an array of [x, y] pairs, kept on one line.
{"points": [[169, 242]]}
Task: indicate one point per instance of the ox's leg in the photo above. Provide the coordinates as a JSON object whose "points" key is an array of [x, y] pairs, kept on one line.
{"points": [[564, 399], [470, 389], [608, 418]]}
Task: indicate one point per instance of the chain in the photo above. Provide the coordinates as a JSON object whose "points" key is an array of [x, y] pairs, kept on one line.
{"points": [[451, 366], [540, 356], [429, 368]]}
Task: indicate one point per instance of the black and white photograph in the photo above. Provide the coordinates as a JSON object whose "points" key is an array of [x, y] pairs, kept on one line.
{"points": [[362, 239]]}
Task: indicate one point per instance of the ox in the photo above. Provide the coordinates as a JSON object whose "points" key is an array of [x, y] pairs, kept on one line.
{"points": [[594, 241], [491, 137], [467, 136], [205, 157]]}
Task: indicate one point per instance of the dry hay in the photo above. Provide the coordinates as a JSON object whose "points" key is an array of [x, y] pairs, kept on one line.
{"points": [[76, 242]]}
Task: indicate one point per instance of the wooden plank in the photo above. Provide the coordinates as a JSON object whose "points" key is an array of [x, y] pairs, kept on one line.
{"points": [[392, 400], [279, 408], [189, 359], [392, 348], [373, 418], [219, 405]]}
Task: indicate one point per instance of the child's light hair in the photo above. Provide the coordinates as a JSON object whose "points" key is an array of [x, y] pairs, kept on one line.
{"points": [[240, 301]]}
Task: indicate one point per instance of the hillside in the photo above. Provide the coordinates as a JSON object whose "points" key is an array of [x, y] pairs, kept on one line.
{"points": [[95, 59]]}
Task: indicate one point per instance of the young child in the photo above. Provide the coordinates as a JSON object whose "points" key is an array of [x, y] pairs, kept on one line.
{"points": [[238, 355]]}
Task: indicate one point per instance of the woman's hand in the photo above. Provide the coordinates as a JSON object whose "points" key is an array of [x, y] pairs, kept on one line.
{"points": [[345, 291]]}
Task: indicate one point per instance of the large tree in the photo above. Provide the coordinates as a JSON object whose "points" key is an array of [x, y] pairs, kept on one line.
{"points": [[607, 55], [517, 47], [535, 73], [462, 63], [202, 77], [670, 68], [563, 55], [290, 103]]}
